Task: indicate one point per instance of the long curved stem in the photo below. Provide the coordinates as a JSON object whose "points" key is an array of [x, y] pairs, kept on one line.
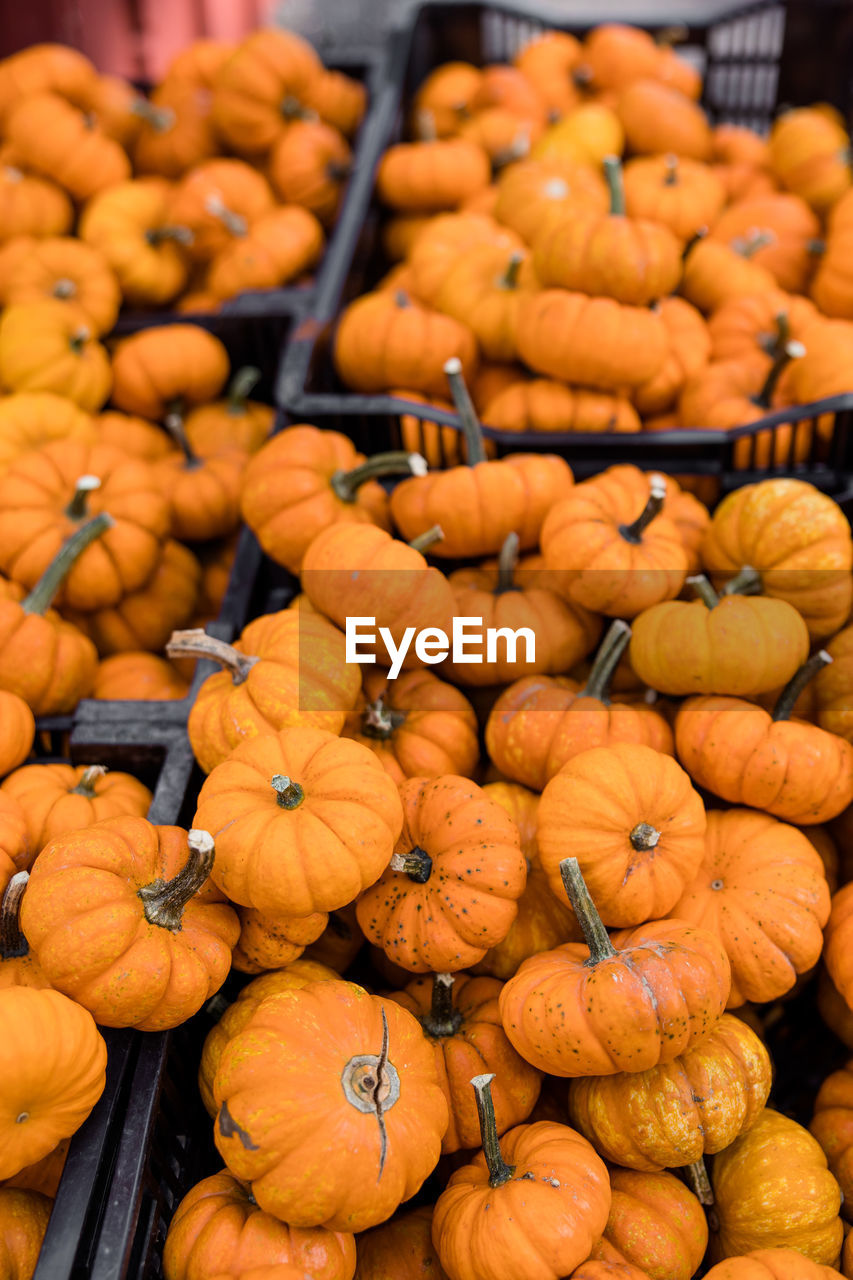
{"points": [[427, 539], [507, 564], [241, 387], [13, 944], [615, 185], [471, 429], [42, 594], [790, 351], [198, 644], [703, 589], [696, 1177], [393, 463], [594, 932], [788, 697], [499, 1171], [606, 661], [174, 424], [657, 496], [164, 901]]}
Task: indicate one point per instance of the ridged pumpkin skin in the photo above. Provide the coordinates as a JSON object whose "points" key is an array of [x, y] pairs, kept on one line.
{"points": [[807, 154], [168, 364], [414, 176], [138, 676], [461, 872], [402, 1249], [762, 890], [86, 921], [23, 1221], [16, 853], [268, 942], [573, 1017], [753, 1182], [49, 346], [638, 827], [597, 342], [280, 690], [832, 1125], [328, 838], [43, 659], [530, 1232], [58, 798], [771, 1264], [837, 950], [655, 1224], [797, 538], [52, 1065], [682, 194], [19, 729], [217, 1228], [675, 1114], [470, 1041], [833, 687], [298, 1045], [789, 768], [33, 418]]}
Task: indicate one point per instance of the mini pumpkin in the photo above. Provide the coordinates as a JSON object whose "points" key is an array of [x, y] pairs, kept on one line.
{"points": [[771, 1264], [536, 193], [431, 175], [715, 273], [309, 166], [260, 87], [831, 1125], [138, 676], [30, 419], [402, 1247], [658, 119], [32, 206], [60, 142], [217, 202], [168, 368], [545, 405], [71, 271], [808, 154], [681, 194], [656, 1224], [837, 944], [60, 798], [791, 227], [19, 731], [271, 942], [236, 421], [277, 248], [132, 225], [175, 131], [484, 290], [50, 346]]}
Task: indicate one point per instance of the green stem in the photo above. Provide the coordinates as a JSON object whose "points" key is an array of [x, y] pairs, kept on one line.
{"points": [[198, 644], [507, 564], [703, 589], [13, 944], [746, 582], [799, 680], [241, 387], [790, 351], [499, 1171], [42, 594], [442, 1019], [393, 463], [88, 778], [156, 235], [471, 429], [606, 661], [615, 185], [427, 539], [164, 900], [657, 496], [671, 175], [509, 279], [594, 932], [77, 508], [174, 424], [749, 245], [289, 794], [161, 119]]}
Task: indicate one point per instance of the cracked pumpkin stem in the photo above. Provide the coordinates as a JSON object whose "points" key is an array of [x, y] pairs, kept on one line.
{"points": [[196, 643], [499, 1171], [595, 935]]}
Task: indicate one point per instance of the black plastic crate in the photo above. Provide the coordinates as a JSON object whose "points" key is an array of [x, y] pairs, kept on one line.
{"points": [[745, 52]]}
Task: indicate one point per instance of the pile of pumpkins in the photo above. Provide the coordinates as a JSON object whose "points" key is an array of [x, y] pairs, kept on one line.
{"points": [[224, 178], [702, 281]]}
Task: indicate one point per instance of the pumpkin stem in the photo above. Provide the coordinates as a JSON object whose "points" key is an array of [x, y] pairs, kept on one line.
{"points": [[509, 279], [292, 109], [783, 357], [401, 298], [799, 680], [703, 589], [174, 424], [156, 235], [594, 932], [379, 721], [555, 189], [417, 864], [816, 246], [517, 149], [698, 236], [747, 246], [241, 387], [289, 793], [425, 540], [79, 338], [198, 644], [41, 596], [425, 130], [671, 166], [746, 582], [657, 497], [64, 288], [338, 170], [613, 174], [606, 661], [696, 1177], [161, 119], [77, 507], [371, 1084], [393, 463], [507, 564], [164, 900], [772, 344], [13, 944], [235, 224], [499, 1171], [644, 837], [442, 1019], [471, 428], [88, 778]]}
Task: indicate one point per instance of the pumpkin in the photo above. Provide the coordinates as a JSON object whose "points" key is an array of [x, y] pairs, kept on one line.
{"points": [[218, 1228], [548, 61], [688, 514], [505, 135], [217, 202], [235, 421], [260, 87], [585, 136], [484, 289], [613, 55], [339, 100], [533, 194], [59, 798], [270, 942], [70, 271], [176, 132], [715, 273], [599, 1267], [833, 1008], [19, 731], [64, 1056], [49, 346], [44, 1175], [48, 493], [793, 230], [757, 322], [143, 895], [479, 504], [832, 687], [544, 405], [402, 1248], [24, 1217], [200, 61], [771, 1264], [737, 645], [683, 195], [131, 225], [607, 1006], [460, 1018], [387, 339], [18, 965], [167, 369], [444, 242], [135, 436], [825, 368], [44, 67], [417, 725], [309, 166], [607, 556], [431, 175], [31, 206], [657, 118], [450, 890], [203, 492], [831, 285], [630, 260], [278, 247], [320, 814], [713, 1092], [637, 823], [304, 480], [732, 393], [808, 154], [776, 526], [594, 341], [655, 1224], [837, 944], [447, 93], [113, 103], [792, 769], [831, 1125], [63, 144], [45, 660], [689, 351], [753, 1203], [378, 1111], [140, 677], [15, 851], [516, 1179]]}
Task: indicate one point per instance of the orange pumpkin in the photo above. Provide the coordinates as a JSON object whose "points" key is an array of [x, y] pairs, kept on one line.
{"points": [[681, 194], [689, 351], [339, 100], [484, 289], [808, 154], [70, 271], [758, 322], [260, 87], [18, 966], [831, 286], [167, 369], [837, 944], [445, 241], [658, 119], [278, 247], [132, 225], [44, 67], [19, 730], [447, 93], [831, 1125], [176, 132], [235, 421], [50, 346], [309, 166], [31, 206], [656, 1224], [772, 1264], [60, 798], [65, 145], [217, 202], [402, 1247], [270, 942], [431, 175], [715, 273], [24, 1217], [544, 405], [792, 230], [533, 194], [138, 676]]}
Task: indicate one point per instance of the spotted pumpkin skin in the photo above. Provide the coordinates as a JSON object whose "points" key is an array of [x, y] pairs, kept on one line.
{"points": [[771, 1264], [459, 896], [656, 1224]]}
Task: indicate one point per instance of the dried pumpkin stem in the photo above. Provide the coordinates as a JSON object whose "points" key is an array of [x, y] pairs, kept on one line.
{"points": [[379, 721], [613, 174], [698, 236], [77, 507], [746, 582], [234, 223], [425, 129], [64, 288], [606, 661], [289, 794], [471, 429], [442, 1019], [703, 589], [88, 778], [499, 1171], [507, 564], [696, 1177], [427, 539], [13, 944], [517, 149], [42, 594], [807, 672], [509, 279], [241, 387], [292, 109], [198, 644], [750, 244], [161, 119], [671, 167], [416, 864], [594, 932], [657, 496], [677, 33], [644, 837], [157, 235], [79, 338], [396, 462], [164, 900], [790, 351]]}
